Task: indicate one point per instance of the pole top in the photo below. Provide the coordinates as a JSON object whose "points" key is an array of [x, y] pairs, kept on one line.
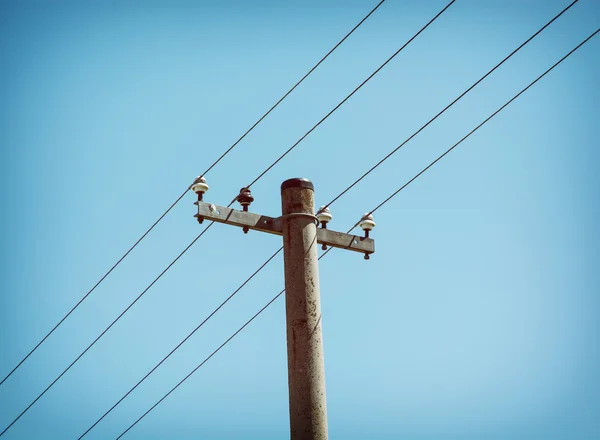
{"points": [[298, 182]]}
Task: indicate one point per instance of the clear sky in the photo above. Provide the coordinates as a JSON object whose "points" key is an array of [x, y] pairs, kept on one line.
{"points": [[476, 318]]}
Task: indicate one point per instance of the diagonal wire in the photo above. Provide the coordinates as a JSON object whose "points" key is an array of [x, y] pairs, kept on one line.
{"points": [[350, 95], [296, 85], [422, 128], [479, 126], [210, 356], [26, 409], [378, 206], [201, 364], [182, 342], [91, 290], [290, 149], [449, 105], [183, 194], [105, 330]]}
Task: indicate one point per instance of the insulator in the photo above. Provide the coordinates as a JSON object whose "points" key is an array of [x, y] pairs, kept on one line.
{"points": [[245, 198], [324, 216], [199, 186], [366, 222]]}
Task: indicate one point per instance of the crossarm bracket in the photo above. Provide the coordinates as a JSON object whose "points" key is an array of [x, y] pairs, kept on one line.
{"points": [[272, 225]]}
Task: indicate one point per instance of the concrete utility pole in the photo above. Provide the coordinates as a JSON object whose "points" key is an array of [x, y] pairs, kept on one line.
{"points": [[298, 226], [306, 368]]}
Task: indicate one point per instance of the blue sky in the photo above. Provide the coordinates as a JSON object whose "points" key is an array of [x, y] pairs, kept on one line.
{"points": [[475, 318]]}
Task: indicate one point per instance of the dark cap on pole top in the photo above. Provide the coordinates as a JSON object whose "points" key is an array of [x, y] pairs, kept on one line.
{"points": [[298, 182]]}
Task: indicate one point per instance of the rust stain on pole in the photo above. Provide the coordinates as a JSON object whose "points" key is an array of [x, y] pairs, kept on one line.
{"points": [[306, 368]]}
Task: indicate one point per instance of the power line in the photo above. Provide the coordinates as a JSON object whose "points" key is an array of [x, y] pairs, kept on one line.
{"points": [[201, 364], [449, 105], [346, 190], [279, 159], [350, 95], [183, 341], [210, 356], [376, 208], [193, 241], [339, 105], [105, 330], [323, 254], [183, 194], [479, 126], [296, 85], [91, 290]]}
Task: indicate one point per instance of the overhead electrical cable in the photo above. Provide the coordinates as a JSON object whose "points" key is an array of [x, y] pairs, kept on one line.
{"points": [[183, 194], [479, 126], [195, 239], [104, 331], [293, 146], [449, 105], [376, 208], [182, 342], [210, 356], [350, 95], [341, 194]]}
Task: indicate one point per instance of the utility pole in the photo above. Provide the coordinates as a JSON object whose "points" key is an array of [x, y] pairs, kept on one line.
{"points": [[298, 226], [306, 368]]}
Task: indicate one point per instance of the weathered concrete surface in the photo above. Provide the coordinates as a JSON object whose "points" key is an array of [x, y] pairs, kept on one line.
{"points": [[306, 369]]}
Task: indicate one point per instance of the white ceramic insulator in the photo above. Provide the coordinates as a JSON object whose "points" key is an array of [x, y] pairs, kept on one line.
{"points": [[324, 216], [366, 224], [200, 187]]}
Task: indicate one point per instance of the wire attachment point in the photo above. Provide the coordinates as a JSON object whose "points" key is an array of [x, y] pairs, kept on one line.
{"points": [[199, 187], [367, 224], [245, 199], [324, 216]]}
